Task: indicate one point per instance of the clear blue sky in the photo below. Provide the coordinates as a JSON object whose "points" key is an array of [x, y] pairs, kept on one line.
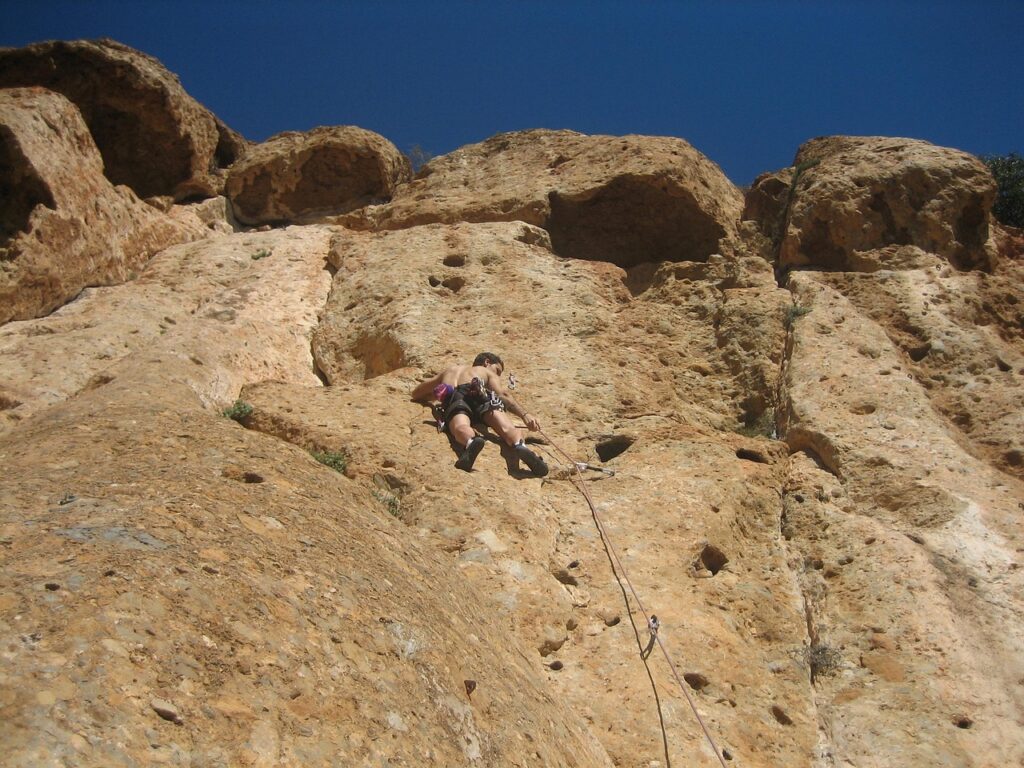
{"points": [[745, 82]]}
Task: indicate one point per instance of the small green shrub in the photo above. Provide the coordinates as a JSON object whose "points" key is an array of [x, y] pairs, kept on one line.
{"points": [[794, 313], [262, 253], [1008, 171], [392, 503], [239, 411], [418, 157], [822, 659], [336, 460], [762, 426]]}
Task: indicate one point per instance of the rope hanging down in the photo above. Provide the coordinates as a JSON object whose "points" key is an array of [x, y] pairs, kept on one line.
{"points": [[653, 623]]}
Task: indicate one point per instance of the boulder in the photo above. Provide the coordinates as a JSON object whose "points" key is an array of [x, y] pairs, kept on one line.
{"points": [[625, 200], [63, 225], [304, 176], [846, 196], [153, 136]]}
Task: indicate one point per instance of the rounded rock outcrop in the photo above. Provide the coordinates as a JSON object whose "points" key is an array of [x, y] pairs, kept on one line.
{"points": [[848, 196], [63, 225], [299, 177], [620, 199], [153, 136]]}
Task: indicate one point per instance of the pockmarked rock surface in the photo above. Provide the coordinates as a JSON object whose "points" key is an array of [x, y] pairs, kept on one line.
{"points": [[329, 170], [907, 542], [153, 136], [808, 470], [206, 294], [856, 203], [624, 200], [63, 225]]}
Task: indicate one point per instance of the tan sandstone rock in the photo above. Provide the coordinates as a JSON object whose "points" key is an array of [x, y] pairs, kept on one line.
{"points": [[305, 176], [153, 136], [621, 199], [852, 202], [63, 225]]}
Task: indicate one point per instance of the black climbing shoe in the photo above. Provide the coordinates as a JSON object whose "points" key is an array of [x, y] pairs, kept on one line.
{"points": [[469, 455], [533, 461]]}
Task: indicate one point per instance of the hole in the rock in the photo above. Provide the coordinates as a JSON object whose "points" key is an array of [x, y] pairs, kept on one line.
{"points": [[1002, 365], [893, 233], [780, 715], [749, 455], [351, 305], [319, 372], [379, 353], [962, 721], [1014, 458], [713, 559], [574, 564], [917, 354], [52, 586], [631, 220], [611, 447], [241, 475], [97, 381], [817, 458], [21, 189], [392, 483], [863, 409], [454, 260], [434, 282], [565, 577], [612, 621], [228, 148], [555, 665], [727, 754], [695, 680], [454, 284], [972, 231], [7, 402]]}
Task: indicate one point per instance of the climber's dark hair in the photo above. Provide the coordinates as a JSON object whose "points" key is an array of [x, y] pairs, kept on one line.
{"points": [[488, 357]]}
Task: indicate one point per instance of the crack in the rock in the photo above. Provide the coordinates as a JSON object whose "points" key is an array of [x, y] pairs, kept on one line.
{"points": [[783, 414]]}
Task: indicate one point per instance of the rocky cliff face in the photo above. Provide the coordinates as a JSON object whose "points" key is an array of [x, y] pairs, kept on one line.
{"points": [[805, 404]]}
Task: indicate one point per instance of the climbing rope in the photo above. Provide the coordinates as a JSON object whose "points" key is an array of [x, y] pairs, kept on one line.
{"points": [[653, 624]]}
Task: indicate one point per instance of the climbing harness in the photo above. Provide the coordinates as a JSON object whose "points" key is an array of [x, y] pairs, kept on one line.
{"points": [[653, 623], [441, 393]]}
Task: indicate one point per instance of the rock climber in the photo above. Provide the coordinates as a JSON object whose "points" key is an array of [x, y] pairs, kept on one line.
{"points": [[470, 394]]}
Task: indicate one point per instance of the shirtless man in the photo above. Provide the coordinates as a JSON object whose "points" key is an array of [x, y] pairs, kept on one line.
{"points": [[474, 393]]}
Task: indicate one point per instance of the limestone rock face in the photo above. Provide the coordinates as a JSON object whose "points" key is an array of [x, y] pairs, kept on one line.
{"points": [[304, 176], [63, 225], [851, 203], [153, 136], [172, 603], [623, 200], [902, 513], [229, 537]]}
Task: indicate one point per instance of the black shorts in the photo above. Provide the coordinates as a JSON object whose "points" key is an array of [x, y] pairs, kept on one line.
{"points": [[475, 405]]}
